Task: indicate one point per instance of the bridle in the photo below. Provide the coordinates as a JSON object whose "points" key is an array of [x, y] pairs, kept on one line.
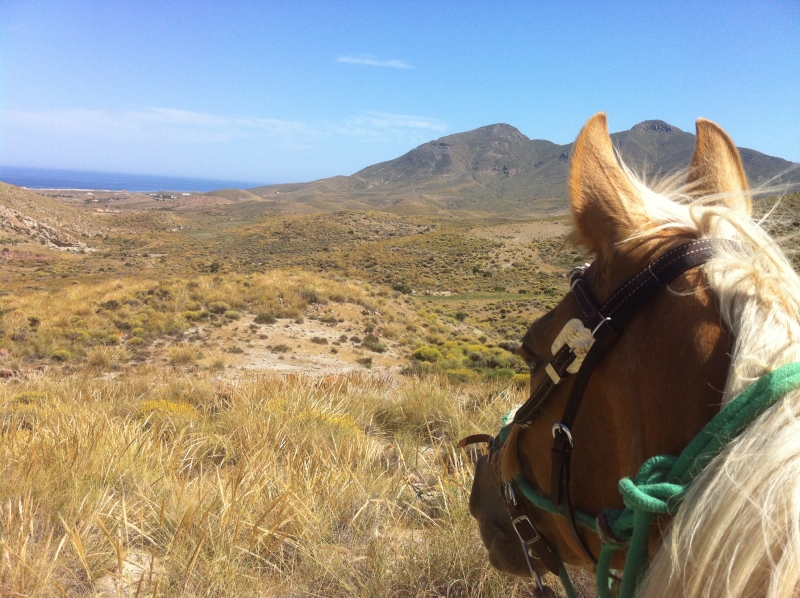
{"points": [[576, 351]]}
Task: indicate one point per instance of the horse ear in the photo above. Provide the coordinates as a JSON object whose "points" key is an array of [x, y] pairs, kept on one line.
{"points": [[606, 208], [717, 168]]}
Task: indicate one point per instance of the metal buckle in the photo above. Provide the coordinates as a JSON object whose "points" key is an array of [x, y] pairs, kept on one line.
{"points": [[509, 494], [561, 427], [575, 273], [532, 537], [603, 321]]}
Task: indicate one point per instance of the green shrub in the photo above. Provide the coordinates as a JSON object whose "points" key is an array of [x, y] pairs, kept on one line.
{"points": [[265, 318], [218, 307], [183, 354], [462, 375], [61, 355], [28, 397], [427, 353], [232, 314], [194, 316], [20, 416], [373, 343], [163, 415]]}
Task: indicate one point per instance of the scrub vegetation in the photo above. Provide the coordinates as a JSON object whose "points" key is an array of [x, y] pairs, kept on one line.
{"points": [[261, 404]]}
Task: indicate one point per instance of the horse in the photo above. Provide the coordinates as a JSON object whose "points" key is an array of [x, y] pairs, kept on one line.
{"points": [[718, 325]]}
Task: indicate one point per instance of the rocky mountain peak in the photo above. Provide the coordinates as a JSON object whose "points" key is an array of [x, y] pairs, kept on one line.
{"points": [[500, 131], [655, 125]]}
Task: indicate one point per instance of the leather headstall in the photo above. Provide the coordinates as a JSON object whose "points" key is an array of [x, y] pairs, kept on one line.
{"points": [[577, 350]]}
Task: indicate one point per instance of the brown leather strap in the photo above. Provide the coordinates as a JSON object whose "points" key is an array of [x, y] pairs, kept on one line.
{"points": [[606, 322], [531, 408], [533, 543], [476, 439]]}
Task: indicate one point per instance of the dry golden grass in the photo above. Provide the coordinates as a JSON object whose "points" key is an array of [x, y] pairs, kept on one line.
{"points": [[151, 484]]}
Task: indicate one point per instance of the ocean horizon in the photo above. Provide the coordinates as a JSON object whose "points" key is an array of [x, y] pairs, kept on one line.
{"points": [[52, 178]]}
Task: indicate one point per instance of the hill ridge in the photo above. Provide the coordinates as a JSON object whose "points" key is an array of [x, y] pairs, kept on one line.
{"points": [[497, 169]]}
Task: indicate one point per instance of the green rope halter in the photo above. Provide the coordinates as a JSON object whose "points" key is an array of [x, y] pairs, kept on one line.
{"points": [[662, 482]]}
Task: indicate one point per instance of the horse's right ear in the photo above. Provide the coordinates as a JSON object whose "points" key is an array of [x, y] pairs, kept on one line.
{"points": [[717, 168], [606, 208]]}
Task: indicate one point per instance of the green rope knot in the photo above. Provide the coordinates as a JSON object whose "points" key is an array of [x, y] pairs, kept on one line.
{"points": [[651, 490]]}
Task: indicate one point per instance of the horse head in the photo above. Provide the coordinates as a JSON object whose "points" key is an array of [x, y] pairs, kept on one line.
{"points": [[667, 373]]}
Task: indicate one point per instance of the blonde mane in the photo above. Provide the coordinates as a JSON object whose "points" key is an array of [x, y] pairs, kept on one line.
{"points": [[737, 533]]}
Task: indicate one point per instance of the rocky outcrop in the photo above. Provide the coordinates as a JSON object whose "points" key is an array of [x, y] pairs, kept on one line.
{"points": [[655, 125], [43, 233]]}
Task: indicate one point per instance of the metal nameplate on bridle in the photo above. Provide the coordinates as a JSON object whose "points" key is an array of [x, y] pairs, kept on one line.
{"points": [[579, 338]]}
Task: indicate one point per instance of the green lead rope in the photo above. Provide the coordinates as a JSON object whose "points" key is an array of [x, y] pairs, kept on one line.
{"points": [[662, 482]]}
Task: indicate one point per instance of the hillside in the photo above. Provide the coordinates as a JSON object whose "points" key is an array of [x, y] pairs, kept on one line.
{"points": [[26, 216], [497, 170]]}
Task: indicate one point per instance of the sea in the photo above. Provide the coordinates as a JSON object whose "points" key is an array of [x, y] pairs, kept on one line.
{"points": [[49, 178]]}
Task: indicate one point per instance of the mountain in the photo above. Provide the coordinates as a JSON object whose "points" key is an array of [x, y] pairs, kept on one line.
{"points": [[497, 169]]}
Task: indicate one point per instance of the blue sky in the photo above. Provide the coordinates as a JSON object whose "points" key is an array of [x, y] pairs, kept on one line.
{"points": [[292, 91]]}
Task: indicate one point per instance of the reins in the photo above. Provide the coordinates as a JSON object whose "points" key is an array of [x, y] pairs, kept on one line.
{"points": [[662, 481]]}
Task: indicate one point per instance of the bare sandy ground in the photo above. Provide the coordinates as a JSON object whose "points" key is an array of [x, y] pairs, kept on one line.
{"points": [[286, 346], [524, 232]]}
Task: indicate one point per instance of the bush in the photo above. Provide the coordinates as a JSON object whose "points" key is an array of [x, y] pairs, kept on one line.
{"points": [[427, 353], [232, 314], [281, 349], [28, 397], [462, 375], [19, 416], [61, 355], [218, 307], [161, 414], [373, 343], [104, 358], [310, 296], [521, 380], [318, 340], [402, 287], [182, 354], [265, 318], [193, 316]]}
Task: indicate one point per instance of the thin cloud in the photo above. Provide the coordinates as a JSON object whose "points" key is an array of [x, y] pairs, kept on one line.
{"points": [[168, 125], [370, 60], [382, 121], [156, 124]]}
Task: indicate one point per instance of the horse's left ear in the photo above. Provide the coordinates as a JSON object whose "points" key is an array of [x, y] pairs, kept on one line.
{"points": [[717, 168], [606, 208]]}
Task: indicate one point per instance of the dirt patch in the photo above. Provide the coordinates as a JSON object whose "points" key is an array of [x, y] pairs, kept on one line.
{"points": [[311, 346], [524, 232]]}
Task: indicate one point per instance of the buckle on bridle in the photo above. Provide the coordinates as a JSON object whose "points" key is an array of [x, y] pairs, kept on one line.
{"points": [[509, 494], [526, 532], [575, 274], [559, 427]]}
